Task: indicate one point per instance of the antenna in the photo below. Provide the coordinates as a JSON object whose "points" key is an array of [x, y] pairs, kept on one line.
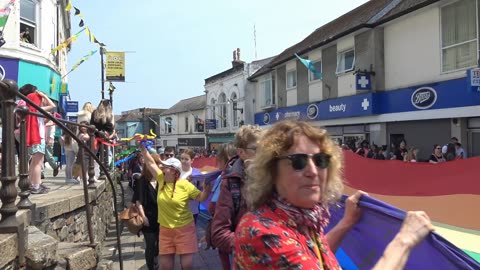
{"points": [[255, 40]]}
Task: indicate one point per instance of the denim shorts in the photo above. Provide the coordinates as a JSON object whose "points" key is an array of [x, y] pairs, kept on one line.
{"points": [[37, 148]]}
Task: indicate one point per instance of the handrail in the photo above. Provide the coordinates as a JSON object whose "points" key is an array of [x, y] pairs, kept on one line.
{"points": [[89, 151]]}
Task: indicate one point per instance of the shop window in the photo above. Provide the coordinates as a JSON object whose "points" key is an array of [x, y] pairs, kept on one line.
{"points": [[291, 79], [459, 35], [345, 61], [28, 21]]}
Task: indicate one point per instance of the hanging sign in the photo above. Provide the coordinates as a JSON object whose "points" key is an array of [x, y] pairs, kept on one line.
{"points": [[115, 66]]}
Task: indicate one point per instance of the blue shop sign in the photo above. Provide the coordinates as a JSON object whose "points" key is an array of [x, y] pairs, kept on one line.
{"points": [[8, 69], [210, 123], [71, 106], [343, 107], [72, 118], [440, 95], [363, 81]]}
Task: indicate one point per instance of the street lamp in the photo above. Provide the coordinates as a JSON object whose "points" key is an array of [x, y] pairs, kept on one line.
{"points": [[235, 108]]}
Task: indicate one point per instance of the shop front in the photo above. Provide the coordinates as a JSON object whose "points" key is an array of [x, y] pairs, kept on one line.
{"points": [[191, 143], [215, 140], [44, 78]]}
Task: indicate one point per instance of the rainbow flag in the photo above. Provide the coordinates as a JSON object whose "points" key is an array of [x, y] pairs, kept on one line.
{"points": [[5, 8]]}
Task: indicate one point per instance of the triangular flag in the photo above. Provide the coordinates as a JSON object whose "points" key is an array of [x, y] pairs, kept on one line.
{"points": [[77, 11], [69, 6], [81, 24], [309, 64]]}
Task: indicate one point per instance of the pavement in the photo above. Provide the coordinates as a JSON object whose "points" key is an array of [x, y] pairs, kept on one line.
{"points": [[133, 247]]}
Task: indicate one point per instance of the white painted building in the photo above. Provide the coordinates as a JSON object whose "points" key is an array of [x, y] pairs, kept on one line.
{"points": [[182, 125], [229, 104], [392, 70], [33, 29]]}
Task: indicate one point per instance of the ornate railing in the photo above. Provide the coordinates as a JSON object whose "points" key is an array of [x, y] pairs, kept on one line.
{"points": [[9, 223]]}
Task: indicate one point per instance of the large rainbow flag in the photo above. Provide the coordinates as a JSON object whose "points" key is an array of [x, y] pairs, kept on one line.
{"points": [[448, 192]]}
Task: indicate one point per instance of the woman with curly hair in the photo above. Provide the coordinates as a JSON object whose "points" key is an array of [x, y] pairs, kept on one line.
{"points": [[293, 179]]}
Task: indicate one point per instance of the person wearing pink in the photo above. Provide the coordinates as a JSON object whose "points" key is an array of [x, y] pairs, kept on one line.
{"points": [[36, 136]]}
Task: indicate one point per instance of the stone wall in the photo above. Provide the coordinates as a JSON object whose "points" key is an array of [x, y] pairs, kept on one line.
{"points": [[72, 226]]}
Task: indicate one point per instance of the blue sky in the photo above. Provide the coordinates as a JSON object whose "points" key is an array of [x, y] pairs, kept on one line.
{"points": [[177, 44]]}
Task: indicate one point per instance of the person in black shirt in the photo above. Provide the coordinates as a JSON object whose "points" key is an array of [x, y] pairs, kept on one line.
{"points": [[145, 197]]}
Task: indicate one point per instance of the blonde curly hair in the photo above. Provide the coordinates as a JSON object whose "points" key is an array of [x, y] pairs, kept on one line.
{"points": [[276, 142]]}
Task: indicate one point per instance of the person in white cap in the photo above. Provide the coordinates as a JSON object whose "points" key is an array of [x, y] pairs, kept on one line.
{"points": [[177, 228]]}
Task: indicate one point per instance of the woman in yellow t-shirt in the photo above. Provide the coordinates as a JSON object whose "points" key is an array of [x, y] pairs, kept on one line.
{"points": [[177, 229]]}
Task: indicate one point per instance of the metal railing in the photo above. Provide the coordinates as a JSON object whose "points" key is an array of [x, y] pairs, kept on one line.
{"points": [[9, 222]]}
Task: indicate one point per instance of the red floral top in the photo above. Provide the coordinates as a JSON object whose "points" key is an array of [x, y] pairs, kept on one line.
{"points": [[269, 239]]}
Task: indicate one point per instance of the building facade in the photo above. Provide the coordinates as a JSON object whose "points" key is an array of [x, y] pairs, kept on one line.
{"points": [[229, 104], [182, 125], [394, 70], [139, 121], [32, 30]]}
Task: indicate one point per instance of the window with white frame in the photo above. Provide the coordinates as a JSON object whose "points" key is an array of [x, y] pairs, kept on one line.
{"points": [[291, 79], [168, 125], [459, 35], [222, 100], [28, 21], [186, 123], [234, 100], [345, 61], [266, 92], [318, 67], [212, 109]]}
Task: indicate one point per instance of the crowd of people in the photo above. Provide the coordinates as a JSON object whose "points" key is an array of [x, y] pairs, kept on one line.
{"points": [[272, 199], [448, 152], [44, 144]]}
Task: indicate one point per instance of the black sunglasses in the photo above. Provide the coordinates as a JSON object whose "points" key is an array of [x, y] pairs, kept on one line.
{"points": [[169, 155], [300, 161]]}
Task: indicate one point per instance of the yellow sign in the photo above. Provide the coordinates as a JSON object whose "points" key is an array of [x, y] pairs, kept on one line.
{"points": [[115, 66]]}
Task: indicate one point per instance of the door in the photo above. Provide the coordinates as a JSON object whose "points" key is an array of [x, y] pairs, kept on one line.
{"points": [[473, 143], [353, 140]]}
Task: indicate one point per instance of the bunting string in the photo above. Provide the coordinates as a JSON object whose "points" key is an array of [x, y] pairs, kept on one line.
{"points": [[82, 23], [67, 42], [81, 61]]}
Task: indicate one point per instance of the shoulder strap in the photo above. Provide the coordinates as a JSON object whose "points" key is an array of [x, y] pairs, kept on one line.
{"points": [[234, 187]]}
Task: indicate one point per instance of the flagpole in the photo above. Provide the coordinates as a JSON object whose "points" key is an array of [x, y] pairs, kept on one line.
{"points": [[103, 71]]}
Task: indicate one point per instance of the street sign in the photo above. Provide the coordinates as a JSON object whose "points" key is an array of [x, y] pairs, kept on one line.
{"points": [[73, 118], [211, 123], [473, 76], [71, 106]]}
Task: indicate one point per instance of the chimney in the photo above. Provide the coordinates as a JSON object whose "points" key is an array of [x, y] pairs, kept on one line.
{"points": [[236, 58]]}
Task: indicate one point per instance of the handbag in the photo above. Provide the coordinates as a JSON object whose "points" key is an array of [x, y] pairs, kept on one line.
{"points": [[132, 219]]}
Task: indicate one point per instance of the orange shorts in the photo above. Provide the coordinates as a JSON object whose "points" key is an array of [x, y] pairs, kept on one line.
{"points": [[182, 240]]}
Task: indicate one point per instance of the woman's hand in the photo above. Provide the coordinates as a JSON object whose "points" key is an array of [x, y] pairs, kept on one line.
{"points": [[415, 228], [145, 222], [352, 211], [207, 187]]}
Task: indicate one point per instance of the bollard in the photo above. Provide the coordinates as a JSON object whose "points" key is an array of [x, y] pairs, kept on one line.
{"points": [[8, 191], [24, 181]]}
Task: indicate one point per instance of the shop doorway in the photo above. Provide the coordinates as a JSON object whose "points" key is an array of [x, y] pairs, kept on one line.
{"points": [[473, 143], [353, 140]]}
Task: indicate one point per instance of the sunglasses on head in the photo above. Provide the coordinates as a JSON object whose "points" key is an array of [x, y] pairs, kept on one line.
{"points": [[300, 161]]}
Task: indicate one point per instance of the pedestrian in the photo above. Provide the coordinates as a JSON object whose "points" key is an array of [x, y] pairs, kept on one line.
{"points": [[86, 113], [70, 147], [145, 198], [49, 141], [177, 229], [186, 158], [294, 178], [231, 204], [36, 136]]}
